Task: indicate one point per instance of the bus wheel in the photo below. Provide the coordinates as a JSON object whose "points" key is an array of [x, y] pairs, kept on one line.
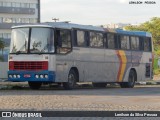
{"points": [[101, 85], [35, 85], [131, 80], [72, 77]]}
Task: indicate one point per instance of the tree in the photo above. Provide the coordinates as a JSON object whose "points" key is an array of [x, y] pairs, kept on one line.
{"points": [[152, 26]]}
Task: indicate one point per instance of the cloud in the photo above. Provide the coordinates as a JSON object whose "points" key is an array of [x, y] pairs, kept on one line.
{"points": [[123, 1], [97, 11]]}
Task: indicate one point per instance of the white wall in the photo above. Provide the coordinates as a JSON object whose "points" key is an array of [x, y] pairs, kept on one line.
{"points": [[3, 70]]}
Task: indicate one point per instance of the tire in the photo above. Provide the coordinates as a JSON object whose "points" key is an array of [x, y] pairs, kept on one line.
{"points": [[100, 85], [131, 80], [72, 78], [35, 85]]}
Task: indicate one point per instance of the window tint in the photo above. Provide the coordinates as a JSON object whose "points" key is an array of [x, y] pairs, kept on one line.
{"points": [[110, 41], [135, 43], [80, 38], [96, 39], [124, 42], [63, 41], [1, 19], [147, 44]]}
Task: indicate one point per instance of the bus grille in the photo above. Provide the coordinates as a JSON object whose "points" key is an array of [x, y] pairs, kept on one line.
{"points": [[28, 65]]}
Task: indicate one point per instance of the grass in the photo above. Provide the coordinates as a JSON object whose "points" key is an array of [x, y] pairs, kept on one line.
{"points": [[156, 69]]}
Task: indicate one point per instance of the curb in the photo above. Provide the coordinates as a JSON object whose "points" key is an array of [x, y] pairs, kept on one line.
{"points": [[148, 83]]}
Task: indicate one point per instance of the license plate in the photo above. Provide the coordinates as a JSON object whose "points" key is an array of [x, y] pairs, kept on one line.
{"points": [[27, 76]]}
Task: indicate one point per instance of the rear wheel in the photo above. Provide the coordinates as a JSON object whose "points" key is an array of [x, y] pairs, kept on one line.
{"points": [[35, 85], [100, 85], [72, 78], [131, 80]]}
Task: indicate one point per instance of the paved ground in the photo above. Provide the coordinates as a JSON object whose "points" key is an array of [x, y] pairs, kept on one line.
{"points": [[111, 98], [140, 98]]}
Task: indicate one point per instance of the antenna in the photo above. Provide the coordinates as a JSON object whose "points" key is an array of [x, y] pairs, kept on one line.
{"points": [[55, 19], [67, 21]]}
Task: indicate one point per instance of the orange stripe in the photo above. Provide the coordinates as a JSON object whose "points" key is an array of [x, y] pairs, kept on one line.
{"points": [[122, 61], [123, 68], [120, 66]]}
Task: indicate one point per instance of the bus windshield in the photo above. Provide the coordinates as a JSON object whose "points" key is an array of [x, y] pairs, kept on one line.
{"points": [[39, 40]]}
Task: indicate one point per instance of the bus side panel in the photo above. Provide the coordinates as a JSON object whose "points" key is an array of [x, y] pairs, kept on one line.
{"points": [[52, 62], [63, 64], [77, 58], [82, 62], [137, 64], [146, 66], [110, 70], [123, 65], [96, 65]]}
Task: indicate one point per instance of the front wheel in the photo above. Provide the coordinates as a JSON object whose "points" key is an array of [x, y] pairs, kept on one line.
{"points": [[34, 85], [72, 78], [131, 80]]}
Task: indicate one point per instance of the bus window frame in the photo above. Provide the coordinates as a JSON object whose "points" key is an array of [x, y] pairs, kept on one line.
{"points": [[103, 33], [131, 42], [119, 42], [56, 41], [150, 44], [86, 38], [115, 41], [29, 40]]}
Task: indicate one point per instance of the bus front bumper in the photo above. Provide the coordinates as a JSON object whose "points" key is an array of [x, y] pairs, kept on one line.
{"points": [[31, 76]]}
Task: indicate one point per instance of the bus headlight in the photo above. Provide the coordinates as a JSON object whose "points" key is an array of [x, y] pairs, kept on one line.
{"points": [[10, 76], [46, 76], [41, 76], [14, 76], [37, 76], [18, 76]]}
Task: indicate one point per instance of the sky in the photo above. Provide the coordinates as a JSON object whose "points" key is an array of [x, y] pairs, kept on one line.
{"points": [[98, 12]]}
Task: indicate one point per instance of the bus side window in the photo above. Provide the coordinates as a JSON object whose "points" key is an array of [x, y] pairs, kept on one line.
{"points": [[81, 38], [110, 41], [135, 43], [63, 41], [147, 44], [141, 43], [96, 39], [124, 42]]}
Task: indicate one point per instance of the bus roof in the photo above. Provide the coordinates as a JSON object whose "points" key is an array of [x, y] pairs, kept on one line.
{"points": [[137, 33], [65, 25], [72, 25]]}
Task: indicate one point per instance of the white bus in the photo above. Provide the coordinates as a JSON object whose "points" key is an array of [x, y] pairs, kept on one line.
{"points": [[66, 53]]}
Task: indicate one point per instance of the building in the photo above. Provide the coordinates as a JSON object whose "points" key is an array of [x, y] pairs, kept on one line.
{"points": [[114, 26], [14, 12]]}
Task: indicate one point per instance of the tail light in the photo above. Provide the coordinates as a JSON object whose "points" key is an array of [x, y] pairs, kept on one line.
{"points": [[11, 65]]}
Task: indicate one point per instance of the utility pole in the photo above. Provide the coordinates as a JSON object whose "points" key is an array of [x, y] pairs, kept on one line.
{"points": [[55, 19]]}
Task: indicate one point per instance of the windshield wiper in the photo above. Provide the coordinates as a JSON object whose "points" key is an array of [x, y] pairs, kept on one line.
{"points": [[18, 52]]}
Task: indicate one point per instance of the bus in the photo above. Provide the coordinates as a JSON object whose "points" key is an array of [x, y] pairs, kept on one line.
{"points": [[66, 53]]}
